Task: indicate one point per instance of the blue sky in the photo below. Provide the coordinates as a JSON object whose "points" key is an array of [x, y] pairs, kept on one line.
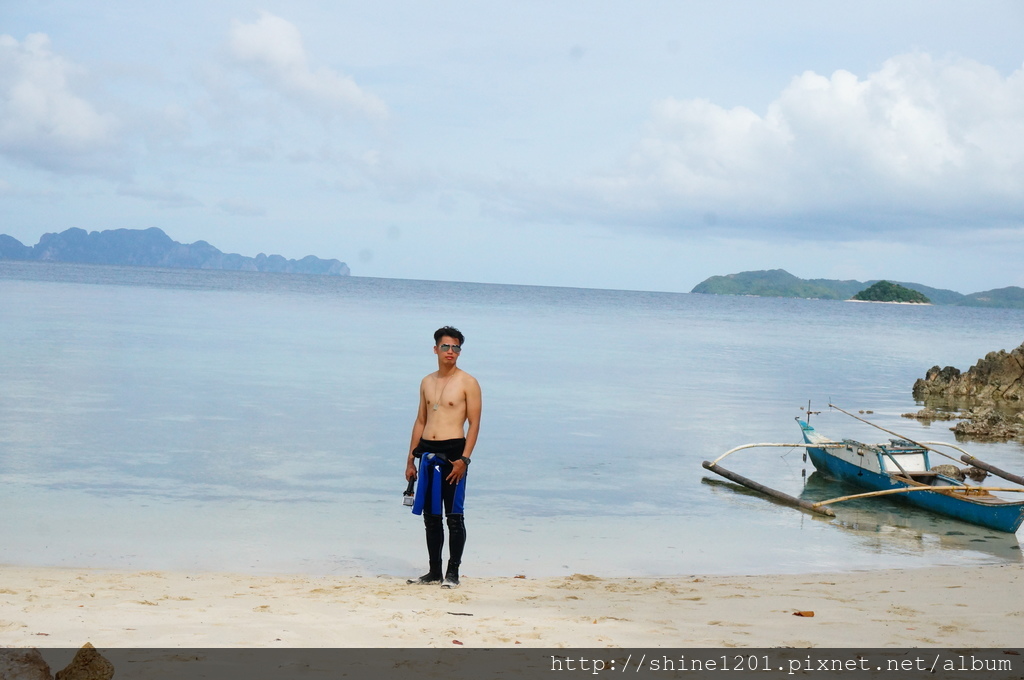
{"points": [[601, 144]]}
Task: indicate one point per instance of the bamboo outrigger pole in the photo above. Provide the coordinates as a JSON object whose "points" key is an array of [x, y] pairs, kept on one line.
{"points": [[713, 466], [936, 489], [894, 434]]}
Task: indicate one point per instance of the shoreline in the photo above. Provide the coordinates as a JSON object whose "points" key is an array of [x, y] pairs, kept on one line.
{"points": [[892, 302], [53, 607]]}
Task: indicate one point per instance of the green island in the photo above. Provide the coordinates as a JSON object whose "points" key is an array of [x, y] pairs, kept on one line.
{"points": [[884, 291], [780, 283]]}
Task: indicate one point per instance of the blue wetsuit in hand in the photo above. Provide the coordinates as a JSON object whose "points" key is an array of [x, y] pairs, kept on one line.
{"points": [[436, 495]]}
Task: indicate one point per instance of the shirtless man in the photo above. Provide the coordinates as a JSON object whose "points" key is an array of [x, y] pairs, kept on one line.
{"points": [[449, 399]]}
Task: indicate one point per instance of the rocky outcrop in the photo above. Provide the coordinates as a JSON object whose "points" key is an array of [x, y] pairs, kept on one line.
{"points": [[23, 664], [986, 423], [29, 664], [990, 396], [88, 664], [980, 423], [960, 474], [927, 415], [997, 377]]}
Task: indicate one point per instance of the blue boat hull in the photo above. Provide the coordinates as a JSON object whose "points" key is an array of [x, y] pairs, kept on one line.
{"points": [[1002, 516]]}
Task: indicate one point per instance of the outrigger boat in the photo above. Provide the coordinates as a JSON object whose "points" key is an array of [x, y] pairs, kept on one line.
{"points": [[901, 469]]}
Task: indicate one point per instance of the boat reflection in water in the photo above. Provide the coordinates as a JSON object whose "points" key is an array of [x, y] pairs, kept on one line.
{"points": [[881, 526], [890, 525]]}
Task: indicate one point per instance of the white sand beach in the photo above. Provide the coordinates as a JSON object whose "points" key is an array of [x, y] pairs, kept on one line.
{"points": [[931, 607]]}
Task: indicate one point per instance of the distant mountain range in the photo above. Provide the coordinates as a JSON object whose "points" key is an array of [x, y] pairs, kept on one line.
{"points": [[780, 283], [153, 248]]}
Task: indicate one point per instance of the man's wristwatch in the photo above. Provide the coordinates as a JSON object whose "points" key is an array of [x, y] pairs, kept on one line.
{"points": [[465, 460]]}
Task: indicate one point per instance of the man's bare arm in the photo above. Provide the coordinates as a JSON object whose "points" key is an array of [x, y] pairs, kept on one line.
{"points": [[417, 433], [473, 408]]}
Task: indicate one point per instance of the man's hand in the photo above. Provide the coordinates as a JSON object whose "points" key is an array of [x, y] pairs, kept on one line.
{"points": [[458, 471], [410, 472]]}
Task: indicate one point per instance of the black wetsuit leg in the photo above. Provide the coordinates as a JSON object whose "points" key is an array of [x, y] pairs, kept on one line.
{"points": [[435, 544], [456, 544]]}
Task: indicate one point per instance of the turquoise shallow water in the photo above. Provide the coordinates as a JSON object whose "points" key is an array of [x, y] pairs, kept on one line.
{"points": [[242, 421]]}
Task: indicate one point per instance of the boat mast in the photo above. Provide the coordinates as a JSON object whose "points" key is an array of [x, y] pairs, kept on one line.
{"points": [[810, 412]]}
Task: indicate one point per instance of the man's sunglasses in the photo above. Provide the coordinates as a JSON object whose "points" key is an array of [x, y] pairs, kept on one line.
{"points": [[455, 348]]}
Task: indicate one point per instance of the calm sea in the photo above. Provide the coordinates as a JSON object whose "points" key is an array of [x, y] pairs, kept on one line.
{"points": [[157, 419]]}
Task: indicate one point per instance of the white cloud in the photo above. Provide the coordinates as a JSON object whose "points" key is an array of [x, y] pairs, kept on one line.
{"points": [[42, 120], [241, 208], [919, 136], [273, 48], [165, 198]]}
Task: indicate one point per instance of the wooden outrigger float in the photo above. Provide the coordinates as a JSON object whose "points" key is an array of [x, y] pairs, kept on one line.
{"points": [[900, 468], [713, 466]]}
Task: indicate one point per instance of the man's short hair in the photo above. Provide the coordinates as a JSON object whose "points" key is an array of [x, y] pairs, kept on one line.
{"points": [[451, 332]]}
